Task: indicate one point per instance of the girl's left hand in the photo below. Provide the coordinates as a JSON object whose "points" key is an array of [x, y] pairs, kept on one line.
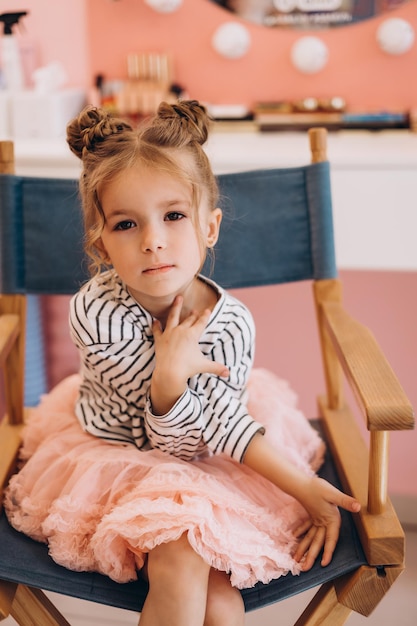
{"points": [[321, 530]]}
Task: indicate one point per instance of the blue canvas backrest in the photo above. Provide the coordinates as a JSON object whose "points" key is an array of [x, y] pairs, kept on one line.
{"points": [[277, 227], [41, 240]]}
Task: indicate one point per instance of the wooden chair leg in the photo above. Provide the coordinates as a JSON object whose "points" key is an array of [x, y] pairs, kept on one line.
{"points": [[7, 594], [324, 609], [360, 591], [31, 606], [364, 589]]}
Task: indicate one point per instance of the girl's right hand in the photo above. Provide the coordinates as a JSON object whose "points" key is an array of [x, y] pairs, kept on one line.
{"points": [[320, 499], [178, 356]]}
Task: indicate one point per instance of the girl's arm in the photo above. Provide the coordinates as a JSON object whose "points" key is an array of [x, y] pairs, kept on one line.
{"points": [[178, 358], [195, 399], [320, 499]]}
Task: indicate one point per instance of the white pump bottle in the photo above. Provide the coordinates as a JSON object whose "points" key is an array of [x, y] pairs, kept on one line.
{"points": [[13, 76]]}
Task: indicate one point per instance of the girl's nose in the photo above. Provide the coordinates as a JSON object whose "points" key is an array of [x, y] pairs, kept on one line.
{"points": [[152, 239]]}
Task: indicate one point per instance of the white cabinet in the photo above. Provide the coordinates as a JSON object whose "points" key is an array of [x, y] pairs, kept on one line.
{"points": [[375, 217]]}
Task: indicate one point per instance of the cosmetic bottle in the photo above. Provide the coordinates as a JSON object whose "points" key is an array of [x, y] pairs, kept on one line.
{"points": [[147, 85], [12, 64]]}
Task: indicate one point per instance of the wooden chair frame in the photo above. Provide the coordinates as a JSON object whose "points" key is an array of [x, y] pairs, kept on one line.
{"points": [[347, 348]]}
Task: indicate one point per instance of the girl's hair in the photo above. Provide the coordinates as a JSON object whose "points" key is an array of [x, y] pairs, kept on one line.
{"points": [[108, 145]]}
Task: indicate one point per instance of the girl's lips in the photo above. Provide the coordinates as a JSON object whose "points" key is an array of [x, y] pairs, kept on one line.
{"points": [[158, 269]]}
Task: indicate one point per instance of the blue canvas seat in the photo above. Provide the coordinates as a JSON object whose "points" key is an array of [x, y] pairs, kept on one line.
{"points": [[278, 229]]}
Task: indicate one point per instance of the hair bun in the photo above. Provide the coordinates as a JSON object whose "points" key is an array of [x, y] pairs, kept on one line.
{"points": [[91, 127], [191, 117]]}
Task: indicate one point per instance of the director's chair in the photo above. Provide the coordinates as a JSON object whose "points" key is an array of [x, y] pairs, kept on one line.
{"points": [[291, 209]]}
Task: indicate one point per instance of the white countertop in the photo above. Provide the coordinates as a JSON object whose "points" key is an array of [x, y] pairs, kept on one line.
{"points": [[346, 149], [241, 150]]}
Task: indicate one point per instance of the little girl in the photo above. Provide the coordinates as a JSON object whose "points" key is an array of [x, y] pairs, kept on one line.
{"points": [[188, 466]]}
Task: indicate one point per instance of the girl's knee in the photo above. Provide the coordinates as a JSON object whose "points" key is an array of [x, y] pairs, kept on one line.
{"points": [[176, 559], [178, 581]]}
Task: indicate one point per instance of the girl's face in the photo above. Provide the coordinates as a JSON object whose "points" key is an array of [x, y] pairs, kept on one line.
{"points": [[150, 235]]}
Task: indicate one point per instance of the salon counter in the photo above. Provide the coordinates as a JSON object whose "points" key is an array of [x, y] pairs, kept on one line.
{"points": [[374, 183]]}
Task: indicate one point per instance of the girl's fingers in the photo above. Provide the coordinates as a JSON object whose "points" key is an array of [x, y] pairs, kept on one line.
{"points": [[218, 369], [156, 328], [303, 528], [302, 548], [310, 547], [190, 320], [329, 546], [320, 536], [350, 504], [315, 548], [305, 543], [194, 319], [344, 501], [200, 319], [173, 318]]}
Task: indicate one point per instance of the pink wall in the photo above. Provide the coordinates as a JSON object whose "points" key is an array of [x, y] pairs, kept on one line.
{"points": [[95, 36], [357, 68], [58, 31]]}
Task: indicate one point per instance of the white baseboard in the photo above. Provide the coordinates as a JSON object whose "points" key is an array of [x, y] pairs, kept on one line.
{"points": [[406, 507]]}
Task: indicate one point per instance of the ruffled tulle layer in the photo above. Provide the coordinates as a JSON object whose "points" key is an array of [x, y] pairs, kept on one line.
{"points": [[103, 507]]}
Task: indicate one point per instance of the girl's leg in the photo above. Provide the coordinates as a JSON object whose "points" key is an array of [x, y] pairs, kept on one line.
{"points": [[224, 603], [185, 591], [178, 584]]}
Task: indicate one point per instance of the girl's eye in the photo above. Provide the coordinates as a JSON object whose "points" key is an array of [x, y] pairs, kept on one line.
{"points": [[174, 216], [124, 225]]}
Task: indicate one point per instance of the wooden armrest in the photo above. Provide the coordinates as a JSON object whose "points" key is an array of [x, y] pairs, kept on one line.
{"points": [[9, 331], [380, 395], [10, 440], [380, 531]]}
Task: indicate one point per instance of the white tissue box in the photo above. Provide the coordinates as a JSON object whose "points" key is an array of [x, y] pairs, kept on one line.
{"points": [[44, 115]]}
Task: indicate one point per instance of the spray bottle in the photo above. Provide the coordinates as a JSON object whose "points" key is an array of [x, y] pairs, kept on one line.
{"points": [[13, 76]]}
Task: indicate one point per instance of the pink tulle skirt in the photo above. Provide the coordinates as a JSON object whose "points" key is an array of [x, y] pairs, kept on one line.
{"points": [[103, 507]]}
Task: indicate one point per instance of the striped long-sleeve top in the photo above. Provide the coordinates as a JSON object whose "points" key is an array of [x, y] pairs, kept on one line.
{"points": [[114, 336]]}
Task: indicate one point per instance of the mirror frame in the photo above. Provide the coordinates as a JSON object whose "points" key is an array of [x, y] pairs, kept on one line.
{"points": [[308, 14]]}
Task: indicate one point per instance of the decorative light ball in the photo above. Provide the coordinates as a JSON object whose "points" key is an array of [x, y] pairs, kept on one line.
{"points": [[285, 6], [395, 35], [309, 54], [231, 40], [164, 6]]}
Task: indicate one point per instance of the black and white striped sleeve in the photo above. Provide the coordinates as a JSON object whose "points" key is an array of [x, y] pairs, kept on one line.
{"points": [[117, 361], [212, 412]]}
